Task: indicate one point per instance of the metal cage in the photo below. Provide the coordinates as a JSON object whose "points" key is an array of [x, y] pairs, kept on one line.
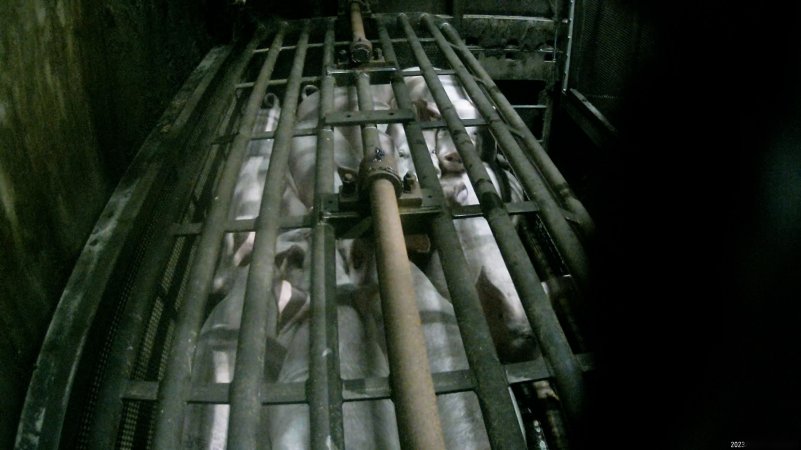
{"points": [[116, 367]]}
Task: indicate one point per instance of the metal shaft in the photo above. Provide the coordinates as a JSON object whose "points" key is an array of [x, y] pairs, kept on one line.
{"points": [[415, 400], [550, 172], [259, 312], [491, 386], [360, 48], [175, 386], [565, 238], [538, 308], [325, 384]]}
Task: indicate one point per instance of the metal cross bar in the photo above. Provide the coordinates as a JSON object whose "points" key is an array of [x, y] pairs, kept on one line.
{"points": [[496, 404], [172, 395], [564, 237], [549, 171], [538, 308], [259, 312]]}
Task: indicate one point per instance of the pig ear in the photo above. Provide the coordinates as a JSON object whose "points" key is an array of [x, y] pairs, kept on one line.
{"points": [[271, 101], [292, 304], [308, 90], [426, 111], [492, 300]]}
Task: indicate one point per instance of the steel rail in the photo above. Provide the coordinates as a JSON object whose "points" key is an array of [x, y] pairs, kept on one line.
{"points": [[539, 311], [175, 385], [541, 159], [564, 236], [259, 311], [325, 383]]}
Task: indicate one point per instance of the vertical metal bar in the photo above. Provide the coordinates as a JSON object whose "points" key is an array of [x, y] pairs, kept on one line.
{"points": [[126, 344], [415, 400], [564, 237], [569, 50], [175, 386], [259, 312], [549, 171], [325, 385], [538, 308], [493, 396]]}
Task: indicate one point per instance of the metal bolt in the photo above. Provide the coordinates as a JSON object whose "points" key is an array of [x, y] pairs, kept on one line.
{"points": [[409, 181], [348, 184]]}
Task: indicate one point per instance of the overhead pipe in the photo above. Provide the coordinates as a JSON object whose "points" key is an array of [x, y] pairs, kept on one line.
{"points": [[259, 310], [419, 425]]}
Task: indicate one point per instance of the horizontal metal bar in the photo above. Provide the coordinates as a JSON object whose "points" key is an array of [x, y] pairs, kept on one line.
{"points": [[279, 81], [373, 388], [339, 43], [442, 124], [469, 211], [345, 118], [530, 106], [241, 225]]}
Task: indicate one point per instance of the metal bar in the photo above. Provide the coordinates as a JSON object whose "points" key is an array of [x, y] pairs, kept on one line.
{"points": [[278, 82], [172, 395], [415, 401], [325, 387], [126, 343], [545, 165], [338, 43], [564, 236], [359, 117], [361, 49], [259, 312], [571, 20], [119, 226], [538, 308], [497, 406]]}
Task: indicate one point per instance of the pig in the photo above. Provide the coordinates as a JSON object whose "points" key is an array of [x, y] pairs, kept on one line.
{"points": [[506, 317], [439, 141]]}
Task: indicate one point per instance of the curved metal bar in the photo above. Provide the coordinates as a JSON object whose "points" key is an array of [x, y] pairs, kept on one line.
{"points": [[259, 312], [175, 385]]}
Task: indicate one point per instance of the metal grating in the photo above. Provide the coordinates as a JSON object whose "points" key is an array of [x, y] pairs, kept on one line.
{"points": [[157, 392]]}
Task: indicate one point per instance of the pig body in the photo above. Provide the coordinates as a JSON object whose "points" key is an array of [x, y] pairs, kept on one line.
{"points": [[506, 317], [439, 141]]}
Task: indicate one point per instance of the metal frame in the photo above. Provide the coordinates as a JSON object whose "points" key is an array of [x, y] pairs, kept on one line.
{"points": [[329, 220]]}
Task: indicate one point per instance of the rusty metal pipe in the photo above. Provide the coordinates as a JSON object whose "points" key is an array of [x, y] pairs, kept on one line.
{"points": [[415, 400], [360, 47]]}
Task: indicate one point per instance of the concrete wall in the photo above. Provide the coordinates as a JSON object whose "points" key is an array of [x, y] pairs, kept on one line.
{"points": [[81, 84]]}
